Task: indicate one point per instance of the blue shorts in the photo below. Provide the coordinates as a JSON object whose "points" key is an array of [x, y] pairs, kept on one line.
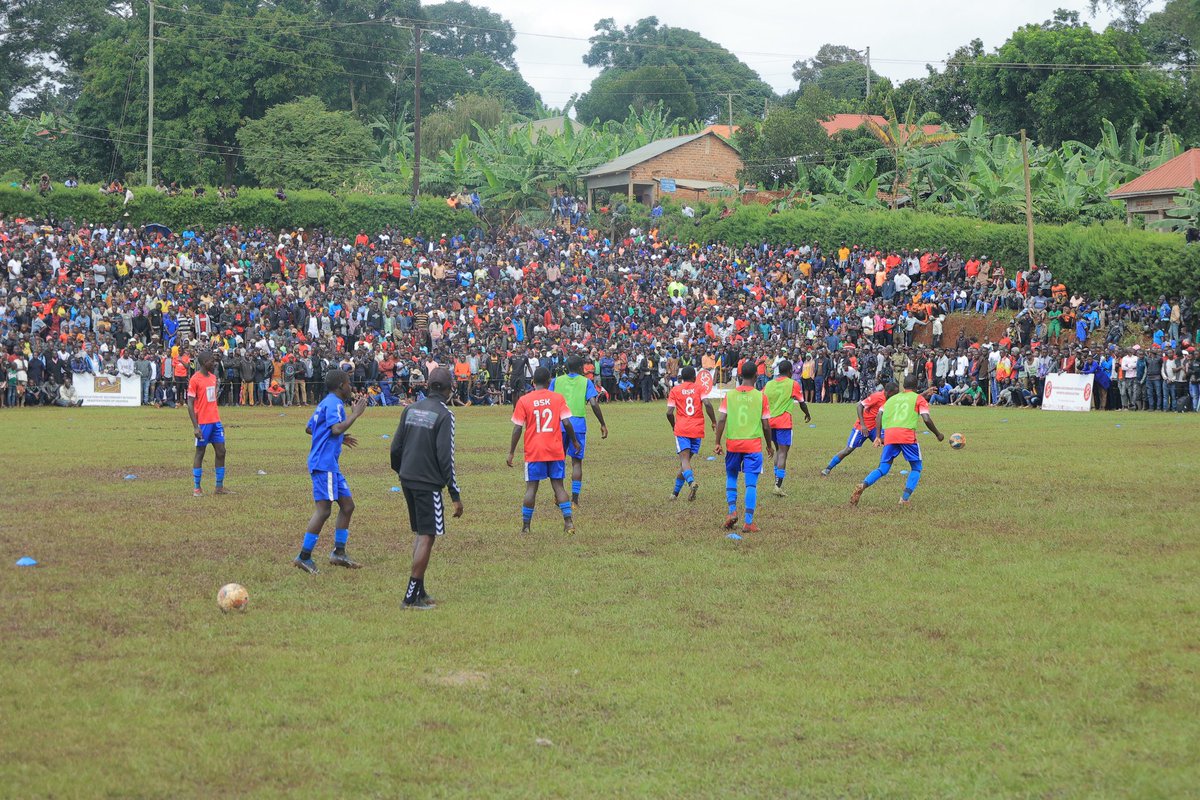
{"points": [[688, 443], [540, 470], [329, 486], [911, 453], [782, 436], [212, 433], [571, 451], [749, 463], [858, 438]]}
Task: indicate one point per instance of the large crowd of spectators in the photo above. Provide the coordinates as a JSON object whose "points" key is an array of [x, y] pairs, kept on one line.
{"points": [[281, 308]]}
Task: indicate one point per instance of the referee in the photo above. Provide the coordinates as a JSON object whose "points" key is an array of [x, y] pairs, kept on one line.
{"points": [[423, 458]]}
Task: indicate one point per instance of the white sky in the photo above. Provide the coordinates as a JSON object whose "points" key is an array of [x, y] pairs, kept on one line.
{"points": [[771, 34]]}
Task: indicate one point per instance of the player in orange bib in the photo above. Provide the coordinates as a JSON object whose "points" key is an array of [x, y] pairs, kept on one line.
{"points": [[206, 422], [545, 420], [685, 412], [864, 427]]}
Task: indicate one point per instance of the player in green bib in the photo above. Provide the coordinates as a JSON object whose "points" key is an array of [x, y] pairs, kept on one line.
{"points": [[744, 416], [579, 392], [781, 394], [898, 421]]}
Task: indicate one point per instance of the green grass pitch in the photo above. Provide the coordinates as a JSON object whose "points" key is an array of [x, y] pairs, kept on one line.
{"points": [[1027, 628]]}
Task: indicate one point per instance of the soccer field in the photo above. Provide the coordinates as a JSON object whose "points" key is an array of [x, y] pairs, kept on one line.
{"points": [[1028, 627]]}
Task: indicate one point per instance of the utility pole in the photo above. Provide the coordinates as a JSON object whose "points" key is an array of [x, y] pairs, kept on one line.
{"points": [[868, 96], [1028, 198], [150, 109], [416, 188], [729, 99]]}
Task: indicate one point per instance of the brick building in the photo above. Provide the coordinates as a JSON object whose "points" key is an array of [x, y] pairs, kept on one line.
{"points": [[1152, 194], [697, 164]]}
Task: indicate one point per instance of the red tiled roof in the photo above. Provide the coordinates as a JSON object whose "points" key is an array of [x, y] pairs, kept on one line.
{"points": [[1181, 172], [724, 131], [852, 122]]}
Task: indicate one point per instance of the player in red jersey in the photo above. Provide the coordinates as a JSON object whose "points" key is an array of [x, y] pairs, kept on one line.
{"points": [[687, 399], [206, 422], [864, 426], [545, 420]]}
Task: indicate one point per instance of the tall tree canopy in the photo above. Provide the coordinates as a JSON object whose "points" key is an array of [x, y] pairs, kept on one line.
{"points": [[710, 70], [615, 92], [458, 30], [837, 69], [1059, 104], [303, 145]]}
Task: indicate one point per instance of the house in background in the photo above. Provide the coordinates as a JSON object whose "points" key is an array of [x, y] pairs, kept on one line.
{"points": [[840, 123], [690, 168], [1151, 195]]}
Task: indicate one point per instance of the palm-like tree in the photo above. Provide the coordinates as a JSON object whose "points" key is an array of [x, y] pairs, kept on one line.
{"points": [[902, 138]]}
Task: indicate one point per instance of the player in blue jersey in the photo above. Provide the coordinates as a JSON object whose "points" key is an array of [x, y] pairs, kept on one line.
{"points": [[580, 393], [328, 427]]}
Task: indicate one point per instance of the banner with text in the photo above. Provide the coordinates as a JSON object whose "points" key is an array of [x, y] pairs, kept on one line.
{"points": [[108, 390], [1067, 392]]}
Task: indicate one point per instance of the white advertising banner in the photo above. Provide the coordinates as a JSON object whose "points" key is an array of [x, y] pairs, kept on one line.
{"points": [[108, 390], [1067, 392]]}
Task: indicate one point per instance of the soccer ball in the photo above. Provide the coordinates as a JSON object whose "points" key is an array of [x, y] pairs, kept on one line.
{"points": [[957, 441], [233, 597]]}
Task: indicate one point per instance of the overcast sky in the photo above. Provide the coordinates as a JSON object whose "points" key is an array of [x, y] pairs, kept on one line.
{"points": [[770, 34]]}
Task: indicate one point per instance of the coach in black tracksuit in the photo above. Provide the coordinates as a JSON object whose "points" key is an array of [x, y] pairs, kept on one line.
{"points": [[423, 458]]}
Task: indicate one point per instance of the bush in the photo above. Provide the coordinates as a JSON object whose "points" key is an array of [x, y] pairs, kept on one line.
{"points": [[252, 208], [1111, 260]]}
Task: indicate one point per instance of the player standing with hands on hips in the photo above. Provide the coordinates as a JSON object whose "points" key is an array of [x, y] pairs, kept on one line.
{"points": [[423, 458], [206, 422]]}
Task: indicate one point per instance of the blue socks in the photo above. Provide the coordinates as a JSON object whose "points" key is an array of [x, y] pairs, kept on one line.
{"points": [[751, 497], [310, 541], [341, 536], [780, 473], [833, 462], [877, 473], [678, 485], [731, 491], [220, 476], [196, 473], [576, 487], [526, 514], [914, 477], [565, 508]]}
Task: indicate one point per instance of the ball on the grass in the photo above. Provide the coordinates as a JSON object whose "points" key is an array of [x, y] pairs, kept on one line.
{"points": [[233, 597], [958, 441]]}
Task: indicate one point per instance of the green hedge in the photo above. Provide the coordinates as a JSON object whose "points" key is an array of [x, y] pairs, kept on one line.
{"points": [[252, 208], [1111, 260]]}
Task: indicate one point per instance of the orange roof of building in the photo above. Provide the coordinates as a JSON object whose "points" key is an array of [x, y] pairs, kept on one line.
{"points": [[1181, 172], [724, 131], [852, 122]]}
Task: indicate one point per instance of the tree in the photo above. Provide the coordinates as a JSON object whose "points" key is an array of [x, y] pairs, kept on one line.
{"points": [[775, 150], [711, 71], [463, 116], [1058, 104], [459, 30], [615, 92], [948, 93], [839, 70], [302, 144]]}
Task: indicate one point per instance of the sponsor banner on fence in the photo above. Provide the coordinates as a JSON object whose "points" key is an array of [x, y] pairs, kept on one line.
{"points": [[1067, 392], [108, 390]]}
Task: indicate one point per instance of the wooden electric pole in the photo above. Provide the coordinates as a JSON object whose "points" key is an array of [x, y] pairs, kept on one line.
{"points": [[729, 99], [416, 187], [1028, 198], [868, 73], [150, 106]]}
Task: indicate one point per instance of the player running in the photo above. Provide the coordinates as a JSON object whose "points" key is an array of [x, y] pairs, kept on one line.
{"points": [[781, 393], [864, 426], [543, 415], [746, 414], [687, 398], [206, 422], [579, 392], [898, 421], [327, 427]]}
